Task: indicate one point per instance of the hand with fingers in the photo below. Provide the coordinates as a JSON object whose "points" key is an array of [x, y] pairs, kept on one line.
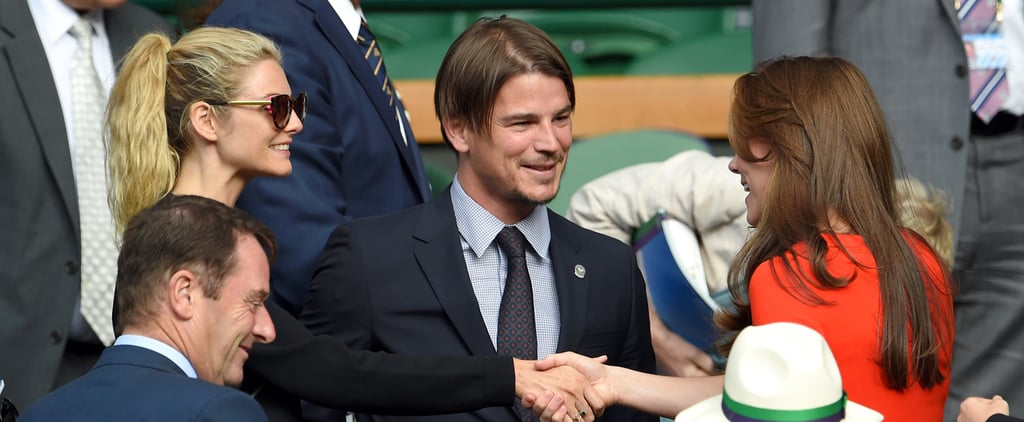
{"points": [[563, 388], [979, 409], [598, 397], [676, 356]]}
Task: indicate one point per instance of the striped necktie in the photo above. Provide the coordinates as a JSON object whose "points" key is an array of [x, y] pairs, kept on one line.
{"points": [[372, 54], [979, 23]]}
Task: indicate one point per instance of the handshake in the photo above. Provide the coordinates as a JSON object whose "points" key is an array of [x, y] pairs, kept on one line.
{"points": [[564, 387], [568, 387]]}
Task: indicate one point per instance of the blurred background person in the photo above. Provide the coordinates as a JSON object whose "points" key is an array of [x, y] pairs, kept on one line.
{"points": [[58, 259]]}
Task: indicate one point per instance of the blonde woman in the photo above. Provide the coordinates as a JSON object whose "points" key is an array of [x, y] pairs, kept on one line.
{"points": [[201, 117]]}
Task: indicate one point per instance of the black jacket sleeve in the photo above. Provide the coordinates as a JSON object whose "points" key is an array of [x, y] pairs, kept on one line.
{"points": [[323, 370], [1003, 418]]}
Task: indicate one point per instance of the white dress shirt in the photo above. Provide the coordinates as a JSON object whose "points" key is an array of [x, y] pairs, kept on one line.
{"points": [[1013, 30], [53, 20]]}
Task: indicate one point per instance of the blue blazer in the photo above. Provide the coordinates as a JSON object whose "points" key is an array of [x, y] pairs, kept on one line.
{"points": [[399, 284], [130, 383], [350, 160]]}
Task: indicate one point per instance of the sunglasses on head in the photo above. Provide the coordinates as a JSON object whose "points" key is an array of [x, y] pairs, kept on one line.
{"points": [[279, 106]]}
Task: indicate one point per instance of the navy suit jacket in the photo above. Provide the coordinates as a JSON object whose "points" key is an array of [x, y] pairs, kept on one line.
{"points": [[350, 160], [130, 383], [399, 284]]}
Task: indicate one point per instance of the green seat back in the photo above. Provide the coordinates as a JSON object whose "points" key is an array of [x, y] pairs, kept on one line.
{"points": [[437, 176], [605, 39], [597, 156], [726, 52], [168, 9], [421, 60], [395, 30]]}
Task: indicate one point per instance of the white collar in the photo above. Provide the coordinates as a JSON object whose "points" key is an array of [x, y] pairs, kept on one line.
{"points": [[349, 15], [53, 19]]}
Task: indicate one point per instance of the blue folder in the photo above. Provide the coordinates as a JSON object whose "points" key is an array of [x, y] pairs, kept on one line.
{"points": [[677, 302]]}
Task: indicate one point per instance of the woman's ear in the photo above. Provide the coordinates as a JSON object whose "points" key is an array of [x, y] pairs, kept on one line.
{"points": [[760, 147], [204, 122], [456, 130]]}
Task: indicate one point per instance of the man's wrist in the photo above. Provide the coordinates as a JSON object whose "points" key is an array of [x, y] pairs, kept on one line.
{"points": [[521, 368]]}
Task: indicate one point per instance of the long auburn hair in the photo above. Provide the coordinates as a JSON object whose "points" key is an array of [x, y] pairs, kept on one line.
{"points": [[833, 161]]}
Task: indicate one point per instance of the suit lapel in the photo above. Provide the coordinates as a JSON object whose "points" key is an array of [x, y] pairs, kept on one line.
{"points": [[440, 257], [24, 53], [335, 32], [566, 254], [950, 9]]}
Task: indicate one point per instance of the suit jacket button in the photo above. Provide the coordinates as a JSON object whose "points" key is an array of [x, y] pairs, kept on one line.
{"points": [[56, 337], [957, 143], [71, 267], [961, 70]]}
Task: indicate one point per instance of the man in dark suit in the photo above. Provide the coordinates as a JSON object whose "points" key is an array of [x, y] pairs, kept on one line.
{"points": [[40, 257], [429, 280], [192, 278], [356, 156]]}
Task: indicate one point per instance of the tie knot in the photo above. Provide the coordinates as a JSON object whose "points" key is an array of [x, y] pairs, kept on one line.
{"points": [[512, 242], [365, 34], [82, 29]]}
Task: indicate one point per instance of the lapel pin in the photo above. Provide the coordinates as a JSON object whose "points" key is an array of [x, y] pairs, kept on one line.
{"points": [[580, 271]]}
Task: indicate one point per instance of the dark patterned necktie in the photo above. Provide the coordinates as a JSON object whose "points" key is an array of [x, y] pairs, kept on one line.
{"points": [[517, 331]]}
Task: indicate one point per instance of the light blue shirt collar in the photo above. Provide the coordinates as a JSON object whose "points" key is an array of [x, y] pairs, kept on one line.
{"points": [[160, 347], [479, 227]]}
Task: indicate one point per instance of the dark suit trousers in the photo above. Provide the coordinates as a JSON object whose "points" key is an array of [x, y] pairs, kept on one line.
{"points": [[988, 356]]}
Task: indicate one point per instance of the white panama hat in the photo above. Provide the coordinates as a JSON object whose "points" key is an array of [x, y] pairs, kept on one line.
{"points": [[780, 372]]}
